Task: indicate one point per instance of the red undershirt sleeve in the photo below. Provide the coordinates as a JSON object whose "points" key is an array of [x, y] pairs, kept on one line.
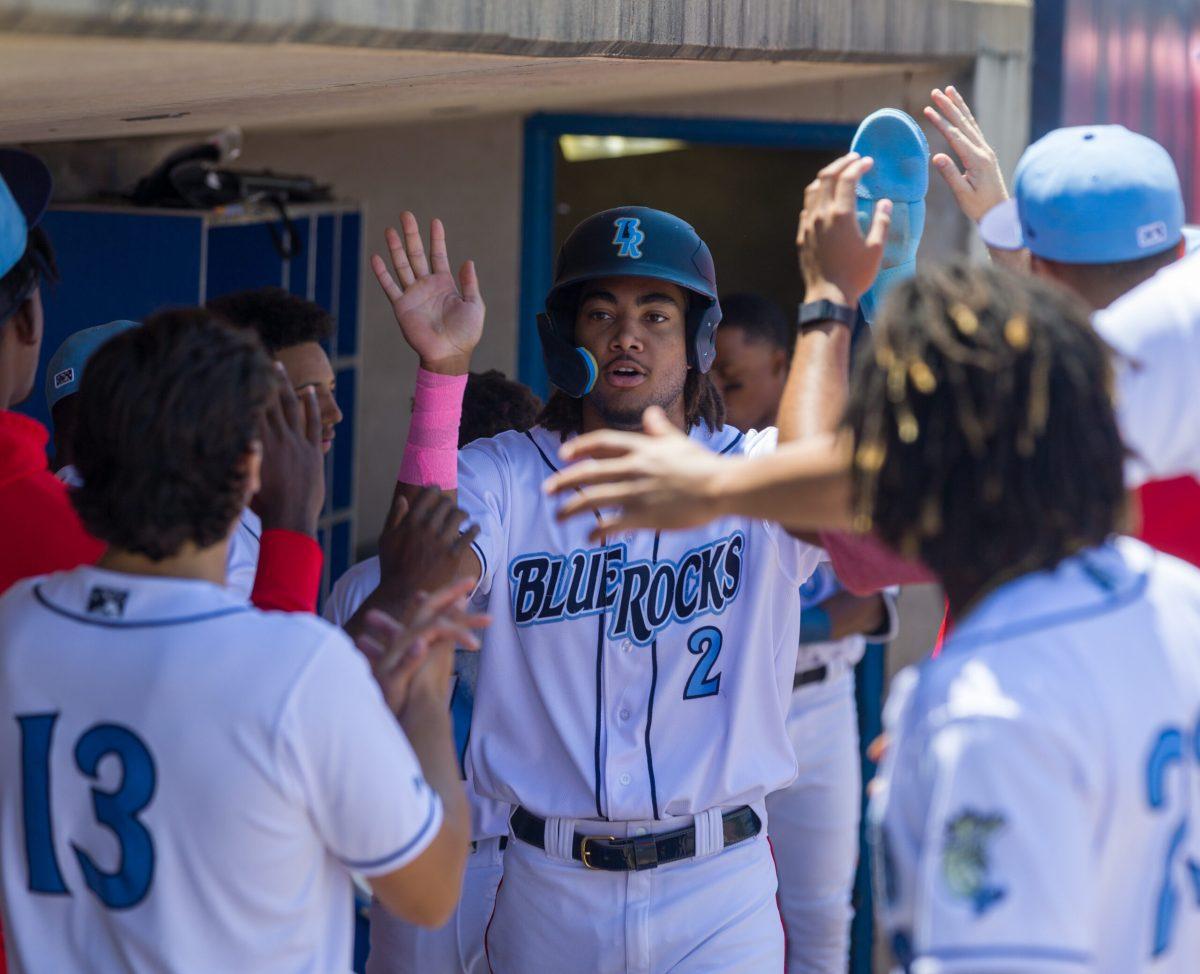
{"points": [[289, 572]]}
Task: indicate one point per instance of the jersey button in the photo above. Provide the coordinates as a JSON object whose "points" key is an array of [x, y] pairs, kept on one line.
{"points": [[625, 779], [627, 646], [624, 714]]}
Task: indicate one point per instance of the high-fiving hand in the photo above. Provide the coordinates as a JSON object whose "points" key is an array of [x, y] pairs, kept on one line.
{"points": [[439, 321], [980, 185], [418, 658], [838, 262], [659, 479]]}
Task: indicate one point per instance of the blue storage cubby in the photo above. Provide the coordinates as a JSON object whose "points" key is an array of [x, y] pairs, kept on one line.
{"points": [[121, 262]]}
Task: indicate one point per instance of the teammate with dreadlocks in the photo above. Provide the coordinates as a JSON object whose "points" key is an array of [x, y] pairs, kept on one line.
{"points": [[986, 446]]}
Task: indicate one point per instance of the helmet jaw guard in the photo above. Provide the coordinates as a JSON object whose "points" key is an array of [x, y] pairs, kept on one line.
{"points": [[629, 241], [570, 367]]}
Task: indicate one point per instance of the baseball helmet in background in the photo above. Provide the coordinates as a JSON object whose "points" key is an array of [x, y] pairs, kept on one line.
{"points": [[628, 241]]}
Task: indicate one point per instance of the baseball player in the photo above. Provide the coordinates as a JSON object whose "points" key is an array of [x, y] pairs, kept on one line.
{"points": [[814, 821], [64, 375], [1037, 808], [280, 571], [185, 782], [491, 405], [291, 329], [633, 688]]}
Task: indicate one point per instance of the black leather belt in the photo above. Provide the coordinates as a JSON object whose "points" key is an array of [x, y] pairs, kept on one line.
{"points": [[816, 675], [612, 854]]}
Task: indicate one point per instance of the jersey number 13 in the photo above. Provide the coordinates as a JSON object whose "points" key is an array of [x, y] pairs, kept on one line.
{"points": [[116, 810]]}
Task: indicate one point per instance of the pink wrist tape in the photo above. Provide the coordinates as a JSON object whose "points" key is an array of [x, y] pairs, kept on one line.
{"points": [[431, 453]]}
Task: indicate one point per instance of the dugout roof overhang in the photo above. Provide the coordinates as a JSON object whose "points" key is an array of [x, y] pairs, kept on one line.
{"points": [[85, 69]]}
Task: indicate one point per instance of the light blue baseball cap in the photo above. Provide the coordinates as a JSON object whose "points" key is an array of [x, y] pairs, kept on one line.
{"points": [[1091, 194], [25, 188], [900, 174], [64, 371]]}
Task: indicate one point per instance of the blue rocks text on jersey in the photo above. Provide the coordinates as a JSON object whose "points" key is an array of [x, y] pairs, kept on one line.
{"points": [[641, 597]]}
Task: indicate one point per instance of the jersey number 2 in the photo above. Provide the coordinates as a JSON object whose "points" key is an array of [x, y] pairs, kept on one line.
{"points": [[705, 643], [116, 810], [1169, 749]]}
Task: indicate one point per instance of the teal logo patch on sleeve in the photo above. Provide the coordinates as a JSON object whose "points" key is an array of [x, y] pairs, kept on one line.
{"points": [[966, 867]]}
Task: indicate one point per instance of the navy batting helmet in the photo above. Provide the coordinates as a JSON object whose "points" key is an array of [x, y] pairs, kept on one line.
{"points": [[628, 241]]}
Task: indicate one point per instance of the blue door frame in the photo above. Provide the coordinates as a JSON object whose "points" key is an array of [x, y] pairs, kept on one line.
{"points": [[537, 270]]}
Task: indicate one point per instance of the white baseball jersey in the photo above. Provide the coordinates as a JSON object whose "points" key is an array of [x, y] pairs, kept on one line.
{"points": [[186, 782], [488, 818], [1155, 330], [1040, 808], [241, 564], [645, 678]]}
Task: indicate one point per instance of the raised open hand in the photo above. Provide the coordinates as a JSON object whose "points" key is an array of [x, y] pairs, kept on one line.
{"points": [[439, 321], [839, 262], [980, 185]]}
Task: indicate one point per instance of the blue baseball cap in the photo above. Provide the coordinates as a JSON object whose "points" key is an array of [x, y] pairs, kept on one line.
{"points": [[25, 189], [900, 174], [1092, 194], [64, 371]]}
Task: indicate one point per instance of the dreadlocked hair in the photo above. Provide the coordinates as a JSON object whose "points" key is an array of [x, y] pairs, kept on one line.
{"points": [[985, 439], [702, 403]]}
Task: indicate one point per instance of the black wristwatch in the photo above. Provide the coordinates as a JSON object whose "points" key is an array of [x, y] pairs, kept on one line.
{"points": [[816, 312]]}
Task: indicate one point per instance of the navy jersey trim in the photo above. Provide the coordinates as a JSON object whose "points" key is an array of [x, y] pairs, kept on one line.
{"points": [[541, 452], [599, 702], [650, 703], [1016, 951], [483, 562], [135, 623], [1051, 620], [434, 805], [736, 440]]}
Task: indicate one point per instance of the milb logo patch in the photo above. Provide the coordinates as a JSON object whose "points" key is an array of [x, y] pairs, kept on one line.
{"points": [[1152, 235], [645, 596], [63, 377], [109, 603]]}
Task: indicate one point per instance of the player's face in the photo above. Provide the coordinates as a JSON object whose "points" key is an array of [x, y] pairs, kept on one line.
{"points": [[308, 365], [750, 373], [635, 328]]}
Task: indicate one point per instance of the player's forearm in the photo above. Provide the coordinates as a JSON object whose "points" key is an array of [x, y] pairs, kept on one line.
{"points": [[431, 450], [1013, 260], [427, 724], [854, 615], [804, 486], [814, 397]]}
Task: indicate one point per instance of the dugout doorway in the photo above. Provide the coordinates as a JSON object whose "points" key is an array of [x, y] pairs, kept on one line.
{"points": [[740, 183]]}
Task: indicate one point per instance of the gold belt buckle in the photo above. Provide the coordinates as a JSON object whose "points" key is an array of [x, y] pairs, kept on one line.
{"points": [[583, 847]]}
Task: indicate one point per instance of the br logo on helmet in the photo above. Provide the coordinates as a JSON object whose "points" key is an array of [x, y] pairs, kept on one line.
{"points": [[629, 237]]}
